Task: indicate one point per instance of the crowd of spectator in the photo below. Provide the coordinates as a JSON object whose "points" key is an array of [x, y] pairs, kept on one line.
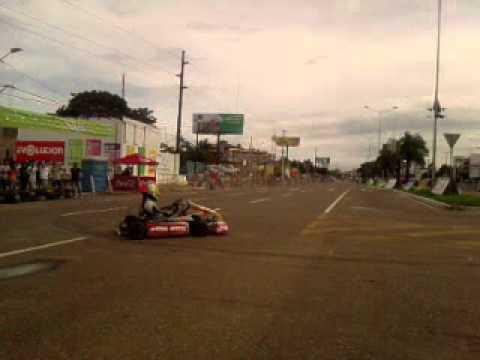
{"points": [[39, 178]]}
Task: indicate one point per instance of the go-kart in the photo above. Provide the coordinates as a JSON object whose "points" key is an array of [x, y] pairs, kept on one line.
{"points": [[182, 218]]}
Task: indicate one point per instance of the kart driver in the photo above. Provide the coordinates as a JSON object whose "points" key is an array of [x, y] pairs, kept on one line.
{"points": [[149, 206]]}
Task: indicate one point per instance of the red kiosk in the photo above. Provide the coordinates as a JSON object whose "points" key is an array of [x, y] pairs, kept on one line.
{"points": [[130, 182]]}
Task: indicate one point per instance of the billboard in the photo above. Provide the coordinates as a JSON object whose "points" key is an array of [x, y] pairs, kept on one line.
{"points": [[290, 141], [50, 151], [213, 124], [322, 162]]}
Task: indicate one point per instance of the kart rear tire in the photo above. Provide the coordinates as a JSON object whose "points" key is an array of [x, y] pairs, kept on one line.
{"points": [[137, 230]]}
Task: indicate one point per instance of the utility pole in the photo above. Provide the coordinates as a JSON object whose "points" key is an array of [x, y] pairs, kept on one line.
{"points": [[283, 156], [123, 86], [180, 101], [437, 109]]}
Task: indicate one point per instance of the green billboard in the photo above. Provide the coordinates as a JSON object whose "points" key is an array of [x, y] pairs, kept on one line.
{"points": [[21, 119], [214, 124]]}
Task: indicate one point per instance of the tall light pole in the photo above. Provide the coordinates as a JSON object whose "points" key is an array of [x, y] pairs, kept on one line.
{"points": [[10, 52], [437, 109], [380, 113], [180, 101]]}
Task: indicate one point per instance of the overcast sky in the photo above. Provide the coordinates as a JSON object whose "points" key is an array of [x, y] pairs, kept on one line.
{"points": [[306, 66]]}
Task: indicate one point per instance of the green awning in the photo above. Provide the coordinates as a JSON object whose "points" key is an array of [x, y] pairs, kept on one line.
{"points": [[21, 119]]}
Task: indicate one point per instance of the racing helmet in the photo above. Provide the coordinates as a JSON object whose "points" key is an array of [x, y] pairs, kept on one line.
{"points": [[151, 188]]}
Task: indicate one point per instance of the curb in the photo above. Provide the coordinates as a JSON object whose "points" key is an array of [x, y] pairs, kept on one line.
{"points": [[431, 202]]}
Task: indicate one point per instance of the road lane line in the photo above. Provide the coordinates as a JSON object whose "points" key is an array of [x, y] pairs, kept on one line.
{"points": [[41, 247], [335, 203], [84, 212], [431, 207], [259, 201]]}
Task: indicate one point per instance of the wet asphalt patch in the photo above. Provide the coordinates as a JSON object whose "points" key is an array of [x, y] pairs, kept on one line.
{"points": [[29, 268]]}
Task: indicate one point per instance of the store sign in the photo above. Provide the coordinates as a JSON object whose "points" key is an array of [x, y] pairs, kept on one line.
{"points": [[112, 151], [20, 119], [51, 151], [94, 148], [214, 124]]}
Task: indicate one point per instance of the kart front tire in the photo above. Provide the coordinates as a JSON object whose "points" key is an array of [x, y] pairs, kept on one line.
{"points": [[198, 228]]}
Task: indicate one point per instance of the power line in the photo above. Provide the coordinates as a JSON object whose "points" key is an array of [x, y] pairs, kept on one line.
{"points": [[33, 94], [81, 37], [25, 99], [70, 46], [119, 28], [38, 82]]}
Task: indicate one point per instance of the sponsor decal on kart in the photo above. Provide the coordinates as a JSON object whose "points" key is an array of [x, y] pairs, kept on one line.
{"points": [[159, 229], [179, 228]]}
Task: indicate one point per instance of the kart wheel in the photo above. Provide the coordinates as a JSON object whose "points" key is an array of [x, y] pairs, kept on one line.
{"points": [[137, 230], [198, 228]]}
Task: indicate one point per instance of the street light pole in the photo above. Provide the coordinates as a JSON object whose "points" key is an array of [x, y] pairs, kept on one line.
{"points": [[11, 51], [437, 109], [379, 115]]}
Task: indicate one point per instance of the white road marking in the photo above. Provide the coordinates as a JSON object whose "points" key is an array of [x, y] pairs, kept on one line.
{"points": [[335, 203], [287, 195], [259, 201], [431, 207], [331, 189], [41, 247], [84, 212]]}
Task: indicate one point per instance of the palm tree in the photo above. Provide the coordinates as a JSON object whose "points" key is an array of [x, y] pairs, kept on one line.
{"points": [[412, 148]]}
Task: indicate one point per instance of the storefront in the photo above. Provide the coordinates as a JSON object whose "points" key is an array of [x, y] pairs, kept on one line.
{"points": [[27, 136], [30, 137]]}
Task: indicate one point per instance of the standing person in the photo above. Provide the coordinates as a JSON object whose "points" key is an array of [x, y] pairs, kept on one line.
{"points": [[56, 176], [76, 175], [12, 177], [3, 175], [24, 177], [32, 177], [44, 175]]}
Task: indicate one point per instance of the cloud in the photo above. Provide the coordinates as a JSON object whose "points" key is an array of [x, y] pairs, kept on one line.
{"points": [[216, 27], [314, 60], [375, 52]]}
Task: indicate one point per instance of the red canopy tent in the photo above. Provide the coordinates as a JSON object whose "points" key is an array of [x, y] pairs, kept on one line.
{"points": [[129, 182], [135, 159]]}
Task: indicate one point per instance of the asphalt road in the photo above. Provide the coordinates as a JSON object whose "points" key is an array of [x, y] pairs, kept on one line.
{"points": [[323, 271]]}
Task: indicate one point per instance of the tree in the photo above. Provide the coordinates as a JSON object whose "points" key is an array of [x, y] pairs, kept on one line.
{"points": [[144, 115], [95, 103], [388, 161], [412, 149]]}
